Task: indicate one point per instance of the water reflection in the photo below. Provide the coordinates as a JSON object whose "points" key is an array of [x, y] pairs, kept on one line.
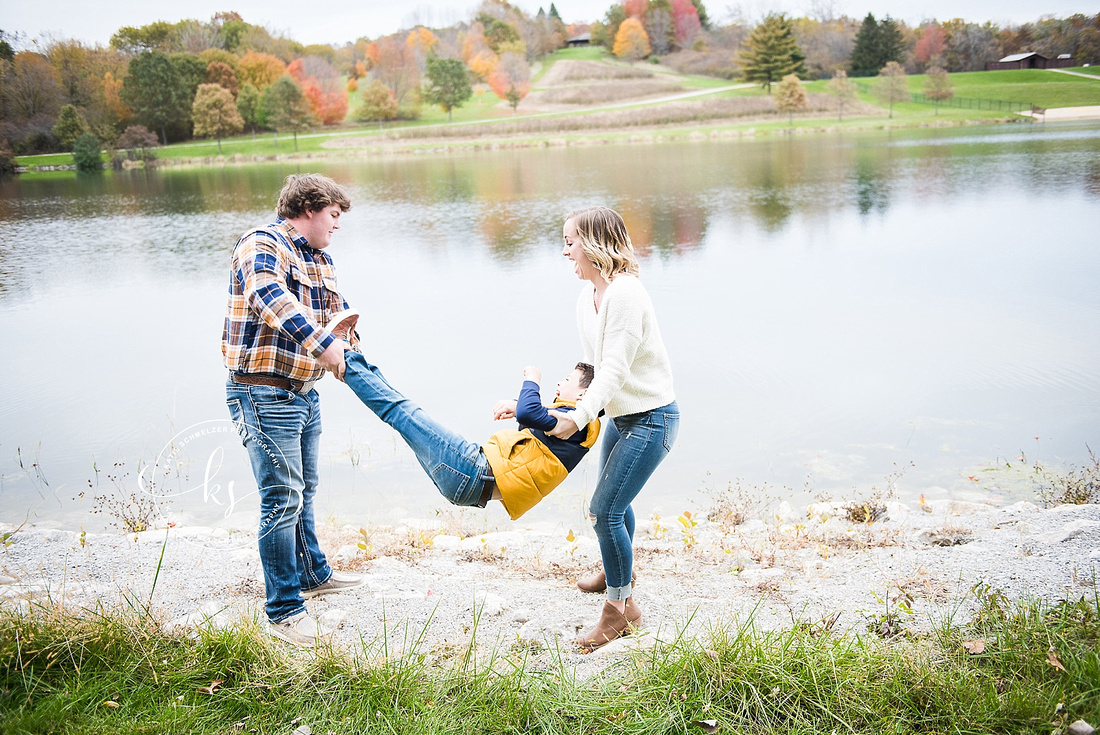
{"points": [[833, 304]]}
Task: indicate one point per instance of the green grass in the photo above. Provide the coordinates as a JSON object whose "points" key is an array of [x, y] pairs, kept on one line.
{"points": [[120, 673], [1093, 70], [1035, 86]]}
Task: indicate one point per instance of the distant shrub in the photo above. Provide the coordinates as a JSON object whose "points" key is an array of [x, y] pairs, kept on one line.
{"points": [[7, 159], [86, 153]]}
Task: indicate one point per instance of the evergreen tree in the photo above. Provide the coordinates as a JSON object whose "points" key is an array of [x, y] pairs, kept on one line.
{"points": [[70, 126], [771, 52], [877, 44], [554, 13], [86, 153], [448, 84]]}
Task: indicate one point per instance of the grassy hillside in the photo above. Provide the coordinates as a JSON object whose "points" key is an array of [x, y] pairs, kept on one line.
{"points": [[601, 95]]}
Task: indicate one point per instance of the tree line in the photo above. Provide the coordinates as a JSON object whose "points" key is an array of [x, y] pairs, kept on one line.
{"points": [[173, 81], [166, 82]]}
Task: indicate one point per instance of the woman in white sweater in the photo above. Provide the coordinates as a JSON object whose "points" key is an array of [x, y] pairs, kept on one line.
{"points": [[633, 386]]}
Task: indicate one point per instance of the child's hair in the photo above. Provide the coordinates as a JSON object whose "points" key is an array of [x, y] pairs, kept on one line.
{"points": [[587, 373], [604, 239]]}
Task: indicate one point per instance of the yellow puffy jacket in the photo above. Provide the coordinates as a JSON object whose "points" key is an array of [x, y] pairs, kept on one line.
{"points": [[527, 469]]}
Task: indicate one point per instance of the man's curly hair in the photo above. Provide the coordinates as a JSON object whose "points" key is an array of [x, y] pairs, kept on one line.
{"points": [[310, 193]]}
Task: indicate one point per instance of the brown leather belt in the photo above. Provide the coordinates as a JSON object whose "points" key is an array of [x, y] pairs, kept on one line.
{"points": [[487, 489], [293, 386]]}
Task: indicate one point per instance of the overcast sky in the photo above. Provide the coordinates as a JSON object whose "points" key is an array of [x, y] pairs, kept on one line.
{"points": [[339, 21]]}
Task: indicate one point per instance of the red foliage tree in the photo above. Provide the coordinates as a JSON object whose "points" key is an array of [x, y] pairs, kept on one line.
{"points": [[322, 85], [931, 44], [636, 8], [685, 18], [511, 79]]}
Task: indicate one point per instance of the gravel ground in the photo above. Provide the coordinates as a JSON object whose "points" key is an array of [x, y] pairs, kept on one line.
{"points": [[424, 580]]}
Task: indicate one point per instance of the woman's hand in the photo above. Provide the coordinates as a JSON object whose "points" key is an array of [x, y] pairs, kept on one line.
{"points": [[566, 427], [505, 409]]}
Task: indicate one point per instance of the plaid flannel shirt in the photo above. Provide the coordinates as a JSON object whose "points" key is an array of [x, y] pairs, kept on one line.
{"points": [[280, 293]]}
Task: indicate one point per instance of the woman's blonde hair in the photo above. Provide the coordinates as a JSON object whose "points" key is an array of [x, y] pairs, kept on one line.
{"points": [[603, 238]]}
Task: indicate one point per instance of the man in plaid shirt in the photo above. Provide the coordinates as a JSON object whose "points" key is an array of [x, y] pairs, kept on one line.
{"points": [[282, 289]]}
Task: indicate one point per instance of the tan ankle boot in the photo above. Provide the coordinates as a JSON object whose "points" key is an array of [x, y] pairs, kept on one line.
{"points": [[598, 582], [613, 624]]}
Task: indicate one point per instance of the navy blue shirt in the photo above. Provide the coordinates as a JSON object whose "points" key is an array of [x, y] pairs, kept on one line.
{"points": [[531, 414]]}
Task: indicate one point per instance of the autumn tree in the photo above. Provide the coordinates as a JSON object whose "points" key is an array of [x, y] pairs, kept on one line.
{"points": [[631, 42], [931, 45], [284, 108], [511, 80], [323, 87], [938, 86], [892, 85], [31, 87], [260, 69], [223, 75], [136, 39], [215, 114], [448, 85], [841, 87], [659, 26], [248, 105], [770, 52], [223, 57], [395, 66], [685, 20], [379, 103], [70, 126], [790, 97], [610, 27]]}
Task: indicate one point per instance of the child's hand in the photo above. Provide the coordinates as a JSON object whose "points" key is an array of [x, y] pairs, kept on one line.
{"points": [[532, 373], [505, 409]]}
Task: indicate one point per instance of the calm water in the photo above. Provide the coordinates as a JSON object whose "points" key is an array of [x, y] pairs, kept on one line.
{"points": [[834, 306]]}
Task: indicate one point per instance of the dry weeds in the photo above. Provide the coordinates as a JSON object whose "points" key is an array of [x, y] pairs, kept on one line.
{"points": [[601, 94], [568, 70]]}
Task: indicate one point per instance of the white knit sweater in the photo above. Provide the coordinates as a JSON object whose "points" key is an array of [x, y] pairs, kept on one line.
{"points": [[624, 344]]}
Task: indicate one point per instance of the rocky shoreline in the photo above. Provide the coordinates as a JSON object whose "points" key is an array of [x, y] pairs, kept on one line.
{"points": [[433, 589]]}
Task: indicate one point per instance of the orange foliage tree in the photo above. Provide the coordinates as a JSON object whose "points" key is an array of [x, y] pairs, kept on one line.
{"points": [[511, 79], [323, 87], [631, 42], [260, 69]]}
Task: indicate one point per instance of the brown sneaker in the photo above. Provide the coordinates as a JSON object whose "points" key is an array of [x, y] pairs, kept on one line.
{"points": [[598, 582], [612, 625]]}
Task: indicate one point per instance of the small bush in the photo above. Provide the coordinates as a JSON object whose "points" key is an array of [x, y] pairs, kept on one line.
{"points": [[86, 153]]}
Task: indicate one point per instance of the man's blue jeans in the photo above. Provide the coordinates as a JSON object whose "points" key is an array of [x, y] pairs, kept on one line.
{"points": [[281, 431], [456, 466], [632, 448]]}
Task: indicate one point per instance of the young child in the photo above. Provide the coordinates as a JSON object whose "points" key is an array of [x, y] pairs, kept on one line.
{"points": [[519, 467]]}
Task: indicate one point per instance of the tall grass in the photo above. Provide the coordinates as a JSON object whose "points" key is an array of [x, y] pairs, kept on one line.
{"points": [[119, 672]]}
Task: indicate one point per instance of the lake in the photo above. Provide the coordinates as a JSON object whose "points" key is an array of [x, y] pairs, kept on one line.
{"points": [[906, 310]]}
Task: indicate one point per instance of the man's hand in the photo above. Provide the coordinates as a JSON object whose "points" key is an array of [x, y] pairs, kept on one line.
{"points": [[332, 359], [505, 409], [532, 373], [566, 427]]}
